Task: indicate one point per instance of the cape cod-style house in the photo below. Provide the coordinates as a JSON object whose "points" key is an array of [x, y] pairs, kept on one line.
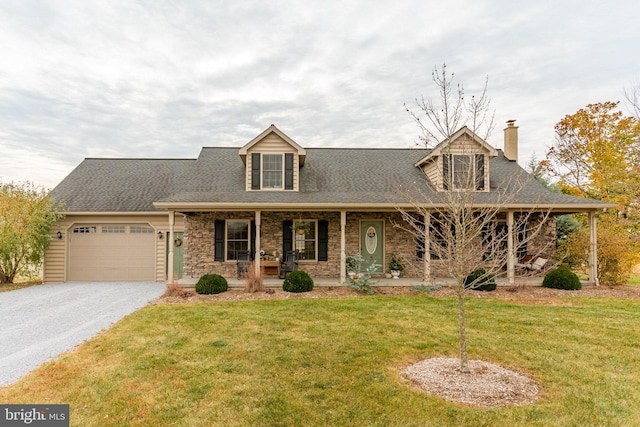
{"points": [[177, 219]]}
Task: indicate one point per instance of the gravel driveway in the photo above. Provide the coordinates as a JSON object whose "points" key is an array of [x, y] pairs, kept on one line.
{"points": [[40, 322]]}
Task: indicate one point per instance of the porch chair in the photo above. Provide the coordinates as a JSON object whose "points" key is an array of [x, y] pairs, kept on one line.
{"points": [[244, 259], [537, 265], [288, 264]]}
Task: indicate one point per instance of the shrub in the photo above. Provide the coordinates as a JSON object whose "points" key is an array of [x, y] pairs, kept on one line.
{"points": [[562, 278], [480, 280], [297, 281], [211, 284], [361, 282]]}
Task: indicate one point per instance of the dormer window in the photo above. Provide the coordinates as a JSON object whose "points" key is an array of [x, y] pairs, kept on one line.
{"points": [[272, 173], [273, 162], [463, 171]]}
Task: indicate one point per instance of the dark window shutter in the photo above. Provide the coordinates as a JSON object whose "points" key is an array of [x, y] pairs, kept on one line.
{"points": [[288, 171], [287, 237], [218, 254], [323, 240], [522, 249], [420, 236], [446, 175], [255, 171], [480, 171]]}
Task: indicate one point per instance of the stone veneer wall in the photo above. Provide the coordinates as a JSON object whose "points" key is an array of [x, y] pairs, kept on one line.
{"points": [[199, 242]]}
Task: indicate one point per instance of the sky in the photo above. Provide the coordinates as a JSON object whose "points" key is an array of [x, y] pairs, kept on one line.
{"points": [[163, 78]]}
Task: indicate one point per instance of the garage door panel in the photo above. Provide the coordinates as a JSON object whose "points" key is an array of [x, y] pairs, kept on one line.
{"points": [[113, 253]]}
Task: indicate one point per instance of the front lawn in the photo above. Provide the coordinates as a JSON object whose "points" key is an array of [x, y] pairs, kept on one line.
{"points": [[312, 362]]}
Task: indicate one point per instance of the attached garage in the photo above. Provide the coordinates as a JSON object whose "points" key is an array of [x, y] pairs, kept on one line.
{"points": [[112, 252]]}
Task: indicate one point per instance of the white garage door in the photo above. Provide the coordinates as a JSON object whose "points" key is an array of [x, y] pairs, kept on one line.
{"points": [[105, 252]]}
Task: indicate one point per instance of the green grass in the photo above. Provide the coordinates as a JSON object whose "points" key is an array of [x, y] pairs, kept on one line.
{"points": [[334, 362], [634, 279]]}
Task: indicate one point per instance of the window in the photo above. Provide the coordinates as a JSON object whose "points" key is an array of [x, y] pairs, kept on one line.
{"points": [[84, 230], [141, 229], [463, 171], [305, 239], [494, 241], [113, 229], [272, 171], [237, 238]]}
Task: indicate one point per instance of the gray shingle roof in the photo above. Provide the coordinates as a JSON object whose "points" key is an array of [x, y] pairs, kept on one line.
{"points": [[330, 176]]}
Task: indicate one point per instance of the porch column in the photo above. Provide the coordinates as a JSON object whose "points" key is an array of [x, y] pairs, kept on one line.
{"points": [[593, 249], [256, 256], [172, 219], [511, 265], [343, 246], [427, 249]]}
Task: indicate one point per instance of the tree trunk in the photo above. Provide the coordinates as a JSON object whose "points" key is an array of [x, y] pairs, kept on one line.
{"points": [[464, 362]]}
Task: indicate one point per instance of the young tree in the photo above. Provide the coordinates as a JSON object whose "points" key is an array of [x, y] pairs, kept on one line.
{"points": [[597, 154], [463, 228], [26, 217]]}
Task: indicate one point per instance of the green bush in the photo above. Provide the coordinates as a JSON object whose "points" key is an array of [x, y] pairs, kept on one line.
{"points": [[562, 278], [480, 280], [297, 281], [211, 284]]}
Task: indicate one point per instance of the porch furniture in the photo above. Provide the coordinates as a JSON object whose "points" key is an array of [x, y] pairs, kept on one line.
{"points": [[537, 265], [244, 259], [288, 264], [270, 267]]}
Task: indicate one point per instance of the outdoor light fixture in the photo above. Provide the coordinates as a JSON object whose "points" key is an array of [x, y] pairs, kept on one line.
{"points": [[160, 235], [59, 235]]}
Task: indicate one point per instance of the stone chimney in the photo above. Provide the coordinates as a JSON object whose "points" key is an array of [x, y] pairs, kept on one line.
{"points": [[511, 141]]}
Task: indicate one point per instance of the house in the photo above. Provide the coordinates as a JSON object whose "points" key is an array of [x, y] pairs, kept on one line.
{"points": [[166, 219]]}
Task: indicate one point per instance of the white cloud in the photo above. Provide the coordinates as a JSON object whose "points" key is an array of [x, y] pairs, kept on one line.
{"points": [[163, 78]]}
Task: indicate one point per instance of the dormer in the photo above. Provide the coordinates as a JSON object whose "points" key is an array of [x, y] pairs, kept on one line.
{"points": [[273, 162], [459, 163]]}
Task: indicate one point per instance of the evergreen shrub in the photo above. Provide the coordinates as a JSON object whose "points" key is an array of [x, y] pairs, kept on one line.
{"points": [[297, 281], [211, 284], [562, 278], [480, 280]]}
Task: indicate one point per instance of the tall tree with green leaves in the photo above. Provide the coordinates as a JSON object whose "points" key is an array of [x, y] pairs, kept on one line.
{"points": [[597, 155], [26, 217]]}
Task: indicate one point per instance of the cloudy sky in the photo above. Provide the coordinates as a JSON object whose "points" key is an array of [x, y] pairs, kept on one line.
{"points": [[162, 78]]}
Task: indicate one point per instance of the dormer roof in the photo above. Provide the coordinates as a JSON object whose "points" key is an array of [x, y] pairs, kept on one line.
{"points": [[302, 153], [442, 146]]}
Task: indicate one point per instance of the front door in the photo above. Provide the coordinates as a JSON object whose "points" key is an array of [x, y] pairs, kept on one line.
{"points": [[178, 254], [372, 244]]}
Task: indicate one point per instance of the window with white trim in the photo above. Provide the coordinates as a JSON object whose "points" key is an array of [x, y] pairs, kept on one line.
{"points": [[272, 170], [305, 240], [237, 238], [463, 171]]}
